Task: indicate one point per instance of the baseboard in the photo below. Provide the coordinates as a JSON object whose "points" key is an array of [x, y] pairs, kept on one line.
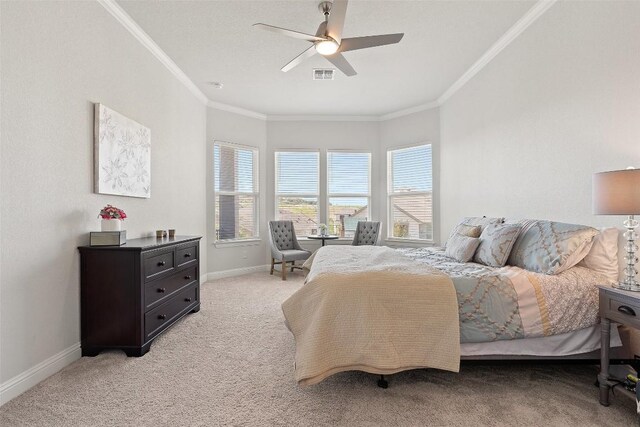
{"points": [[29, 378], [236, 272]]}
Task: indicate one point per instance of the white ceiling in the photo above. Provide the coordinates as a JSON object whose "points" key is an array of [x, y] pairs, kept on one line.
{"points": [[214, 41]]}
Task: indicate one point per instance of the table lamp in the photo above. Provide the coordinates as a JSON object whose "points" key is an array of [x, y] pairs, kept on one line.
{"points": [[618, 193]]}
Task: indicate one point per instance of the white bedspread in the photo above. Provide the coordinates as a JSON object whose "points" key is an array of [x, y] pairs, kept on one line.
{"points": [[369, 308]]}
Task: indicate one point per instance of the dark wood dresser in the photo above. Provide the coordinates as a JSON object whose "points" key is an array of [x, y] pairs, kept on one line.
{"points": [[130, 294]]}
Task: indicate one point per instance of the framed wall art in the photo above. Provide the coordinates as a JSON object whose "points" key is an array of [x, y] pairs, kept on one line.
{"points": [[122, 155]]}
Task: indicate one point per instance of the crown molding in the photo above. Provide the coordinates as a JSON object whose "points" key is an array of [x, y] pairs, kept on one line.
{"points": [[520, 26], [512, 33], [236, 110], [127, 21], [410, 110], [321, 118]]}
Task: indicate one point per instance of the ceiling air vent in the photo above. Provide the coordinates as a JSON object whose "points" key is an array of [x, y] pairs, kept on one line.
{"points": [[323, 73]]}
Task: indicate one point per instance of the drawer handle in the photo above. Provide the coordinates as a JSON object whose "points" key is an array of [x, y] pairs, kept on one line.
{"points": [[187, 255], [187, 277], [626, 310], [161, 316], [162, 290], [161, 264], [187, 300]]}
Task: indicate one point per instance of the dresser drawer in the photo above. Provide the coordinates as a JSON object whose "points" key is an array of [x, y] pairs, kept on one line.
{"points": [[161, 290], [155, 320], [622, 311], [157, 263], [186, 255]]}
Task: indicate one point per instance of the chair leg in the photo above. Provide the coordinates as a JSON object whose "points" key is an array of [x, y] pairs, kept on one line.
{"points": [[293, 265], [272, 261], [284, 270]]}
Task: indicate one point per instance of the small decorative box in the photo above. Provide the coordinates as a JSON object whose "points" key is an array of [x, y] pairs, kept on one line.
{"points": [[108, 238]]}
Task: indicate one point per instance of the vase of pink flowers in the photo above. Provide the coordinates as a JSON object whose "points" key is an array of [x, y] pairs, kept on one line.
{"points": [[112, 218]]}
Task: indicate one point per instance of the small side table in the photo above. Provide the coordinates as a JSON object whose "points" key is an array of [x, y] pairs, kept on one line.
{"points": [[323, 238], [621, 307]]}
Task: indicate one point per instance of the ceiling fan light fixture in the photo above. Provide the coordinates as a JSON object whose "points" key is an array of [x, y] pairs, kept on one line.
{"points": [[327, 47]]}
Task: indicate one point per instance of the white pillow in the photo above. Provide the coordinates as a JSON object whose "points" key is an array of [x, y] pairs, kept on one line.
{"points": [[461, 248], [603, 256]]}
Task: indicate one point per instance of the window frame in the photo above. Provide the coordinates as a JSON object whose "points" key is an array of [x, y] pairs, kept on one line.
{"points": [[255, 194], [329, 195], [276, 213], [391, 194]]}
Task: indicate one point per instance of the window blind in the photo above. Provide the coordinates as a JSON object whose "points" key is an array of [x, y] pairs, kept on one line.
{"points": [[410, 193], [411, 169], [297, 172], [236, 192], [348, 173], [297, 188], [348, 185]]}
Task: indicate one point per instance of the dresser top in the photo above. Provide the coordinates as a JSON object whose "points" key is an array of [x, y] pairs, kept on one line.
{"points": [[144, 243]]}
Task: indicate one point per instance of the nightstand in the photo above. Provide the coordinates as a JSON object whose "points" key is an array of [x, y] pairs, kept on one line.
{"points": [[621, 307]]}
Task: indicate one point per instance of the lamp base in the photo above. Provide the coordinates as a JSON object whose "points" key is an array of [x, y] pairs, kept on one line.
{"points": [[626, 287], [630, 283]]}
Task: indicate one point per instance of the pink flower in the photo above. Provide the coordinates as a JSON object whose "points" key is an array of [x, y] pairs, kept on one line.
{"points": [[111, 212]]}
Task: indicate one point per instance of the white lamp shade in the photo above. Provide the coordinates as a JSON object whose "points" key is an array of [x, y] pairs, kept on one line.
{"points": [[617, 192]]}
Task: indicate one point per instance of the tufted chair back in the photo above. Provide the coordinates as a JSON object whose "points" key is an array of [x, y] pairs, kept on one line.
{"points": [[367, 233], [283, 236]]}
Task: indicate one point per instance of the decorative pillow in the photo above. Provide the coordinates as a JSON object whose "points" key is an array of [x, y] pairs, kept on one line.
{"points": [[482, 221], [603, 256], [473, 221], [468, 230], [551, 247], [461, 248], [496, 242]]}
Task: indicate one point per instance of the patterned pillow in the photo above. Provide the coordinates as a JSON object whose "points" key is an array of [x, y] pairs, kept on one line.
{"points": [[473, 221], [482, 221], [467, 230], [461, 248], [551, 247], [496, 242]]}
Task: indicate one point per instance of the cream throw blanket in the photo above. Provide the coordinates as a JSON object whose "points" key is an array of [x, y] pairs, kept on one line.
{"points": [[371, 309]]}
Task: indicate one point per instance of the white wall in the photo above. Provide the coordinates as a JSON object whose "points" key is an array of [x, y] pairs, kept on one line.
{"points": [[57, 60], [322, 135], [523, 138], [416, 128], [238, 129]]}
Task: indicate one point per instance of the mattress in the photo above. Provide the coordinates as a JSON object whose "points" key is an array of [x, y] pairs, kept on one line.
{"points": [[510, 303], [570, 343]]}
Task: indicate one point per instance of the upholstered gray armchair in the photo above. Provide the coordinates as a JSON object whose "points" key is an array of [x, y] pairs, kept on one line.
{"points": [[367, 233], [284, 246]]}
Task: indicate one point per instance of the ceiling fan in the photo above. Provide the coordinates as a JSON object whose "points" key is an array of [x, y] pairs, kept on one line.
{"points": [[328, 40]]}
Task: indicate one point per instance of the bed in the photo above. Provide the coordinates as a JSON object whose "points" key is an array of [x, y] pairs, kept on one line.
{"points": [[402, 316]]}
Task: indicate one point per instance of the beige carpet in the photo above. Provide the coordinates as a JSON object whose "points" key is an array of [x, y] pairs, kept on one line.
{"points": [[232, 364]]}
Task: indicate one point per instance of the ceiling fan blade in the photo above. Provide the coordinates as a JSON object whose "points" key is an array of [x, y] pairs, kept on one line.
{"points": [[322, 29], [290, 33], [335, 24], [341, 63], [298, 59], [354, 43]]}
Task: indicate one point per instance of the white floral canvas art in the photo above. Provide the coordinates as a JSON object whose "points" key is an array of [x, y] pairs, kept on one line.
{"points": [[122, 155]]}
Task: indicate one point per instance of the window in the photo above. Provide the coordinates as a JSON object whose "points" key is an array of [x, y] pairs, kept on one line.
{"points": [[348, 191], [410, 193], [235, 174], [297, 189]]}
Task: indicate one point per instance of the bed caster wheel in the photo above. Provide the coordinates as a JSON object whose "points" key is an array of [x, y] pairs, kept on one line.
{"points": [[382, 383]]}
